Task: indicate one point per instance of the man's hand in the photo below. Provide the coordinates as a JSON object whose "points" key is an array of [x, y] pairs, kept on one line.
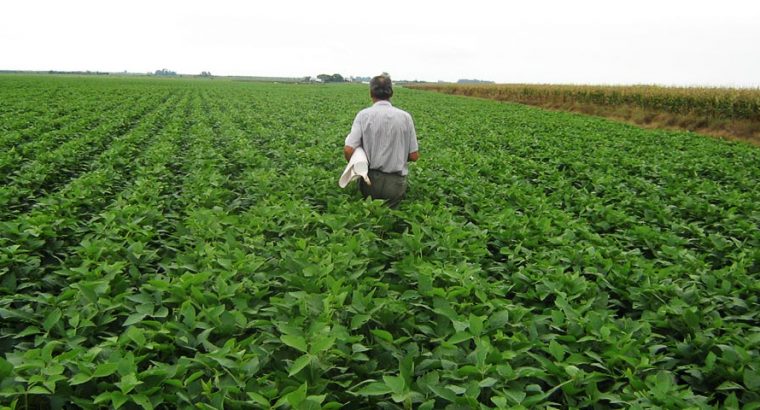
{"points": [[414, 156], [348, 151]]}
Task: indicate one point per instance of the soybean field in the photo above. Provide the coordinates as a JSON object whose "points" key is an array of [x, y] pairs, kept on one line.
{"points": [[183, 243]]}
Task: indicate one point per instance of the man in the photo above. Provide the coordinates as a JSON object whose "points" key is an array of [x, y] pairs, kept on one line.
{"points": [[388, 137]]}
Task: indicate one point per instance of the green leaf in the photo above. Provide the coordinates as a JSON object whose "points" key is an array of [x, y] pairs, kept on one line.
{"points": [[534, 388], [358, 348], [663, 384], [751, 379], [30, 330], [374, 389], [299, 364], [134, 318], [162, 312], [51, 319], [459, 337], [428, 405], [321, 343], [358, 320], [80, 378], [258, 399], [395, 383], [6, 369], [487, 382], [710, 360], [443, 392], [476, 325], [136, 335], [556, 350], [458, 390], [159, 284], [691, 317], [118, 399], [193, 377], [572, 371], [142, 401], [38, 390], [188, 314], [105, 369], [399, 397], [406, 369], [516, 396], [382, 335], [128, 383], [296, 397], [102, 397], [146, 308], [498, 320], [729, 385], [296, 342], [225, 362]]}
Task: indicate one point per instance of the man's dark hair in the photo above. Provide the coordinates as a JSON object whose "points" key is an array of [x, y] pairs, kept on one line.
{"points": [[380, 87]]}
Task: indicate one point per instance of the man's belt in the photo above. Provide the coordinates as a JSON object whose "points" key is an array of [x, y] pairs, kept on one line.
{"points": [[387, 173]]}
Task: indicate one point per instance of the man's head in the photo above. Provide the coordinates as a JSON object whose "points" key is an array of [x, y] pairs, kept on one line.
{"points": [[380, 87]]}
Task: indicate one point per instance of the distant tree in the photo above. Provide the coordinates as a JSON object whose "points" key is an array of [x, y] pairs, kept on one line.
{"points": [[206, 74], [165, 72], [335, 78]]}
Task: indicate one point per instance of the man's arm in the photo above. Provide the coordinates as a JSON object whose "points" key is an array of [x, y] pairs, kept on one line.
{"points": [[414, 148], [354, 138], [348, 151]]}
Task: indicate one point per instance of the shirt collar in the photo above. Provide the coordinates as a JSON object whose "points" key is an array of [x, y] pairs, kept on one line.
{"points": [[382, 102]]}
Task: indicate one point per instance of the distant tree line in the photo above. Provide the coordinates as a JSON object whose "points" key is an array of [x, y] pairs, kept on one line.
{"points": [[473, 81], [75, 72], [165, 72]]}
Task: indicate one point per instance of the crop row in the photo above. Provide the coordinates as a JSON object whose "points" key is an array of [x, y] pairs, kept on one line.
{"points": [[56, 165]]}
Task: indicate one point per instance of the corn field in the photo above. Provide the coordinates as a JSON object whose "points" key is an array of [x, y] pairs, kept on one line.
{"points": [[714, 103]]}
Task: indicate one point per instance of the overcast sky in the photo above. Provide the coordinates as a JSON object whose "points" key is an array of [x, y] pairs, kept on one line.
{"points": [[669, 42]]}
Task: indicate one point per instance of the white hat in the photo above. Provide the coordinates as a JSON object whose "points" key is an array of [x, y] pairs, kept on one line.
{"points": [[358, 166]]}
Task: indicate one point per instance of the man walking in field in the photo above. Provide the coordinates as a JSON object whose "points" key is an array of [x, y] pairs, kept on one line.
{"points": [[388, 137]]}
